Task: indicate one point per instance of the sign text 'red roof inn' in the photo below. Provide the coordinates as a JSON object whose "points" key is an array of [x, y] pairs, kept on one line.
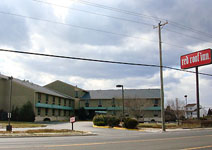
{"points": [[195, 59]]}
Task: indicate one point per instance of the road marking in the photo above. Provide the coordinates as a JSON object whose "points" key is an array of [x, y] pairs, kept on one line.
{"points": [[104, 143], [210, 146], [127, 141]]}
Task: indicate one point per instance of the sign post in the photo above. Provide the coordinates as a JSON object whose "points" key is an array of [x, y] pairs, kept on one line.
{"points": [[196, 59], [72, 120]]}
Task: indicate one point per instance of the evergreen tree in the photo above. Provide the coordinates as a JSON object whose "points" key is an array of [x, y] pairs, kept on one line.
{"points": [[26, 112], [209, 112]]}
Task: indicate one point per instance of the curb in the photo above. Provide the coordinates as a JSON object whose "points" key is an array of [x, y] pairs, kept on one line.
{"points": [[118, 128]]}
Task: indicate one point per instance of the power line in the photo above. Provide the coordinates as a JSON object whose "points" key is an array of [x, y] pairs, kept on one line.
{"points": [[118, 18], [176, 24], [187, 35], [75, 26], [94, 13], [88, 28], [100, 61]]}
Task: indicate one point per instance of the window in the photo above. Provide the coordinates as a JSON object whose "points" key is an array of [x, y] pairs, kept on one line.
{"points": [[100, 103], [47, 99], [64, 112], [59, 101], [69, 103], [156, 102], [69, 113], [59, 112], [38, 111], [64, 102], [87, 103], [113, 102], [155, 113], [39, 97], [53, 102], [46, 111], [77, 94], [53, 112]]}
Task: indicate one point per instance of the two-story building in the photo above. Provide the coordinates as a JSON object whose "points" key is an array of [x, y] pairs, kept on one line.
{"points": [[144, 104], [191, 111], [47, 104]]}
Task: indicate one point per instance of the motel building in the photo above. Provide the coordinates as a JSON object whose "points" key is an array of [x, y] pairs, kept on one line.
{"points": [[48, 105]]}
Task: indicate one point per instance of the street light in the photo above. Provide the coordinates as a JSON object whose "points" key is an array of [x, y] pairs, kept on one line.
{"points": [[122, 87], [9, 127], [186, 106]]}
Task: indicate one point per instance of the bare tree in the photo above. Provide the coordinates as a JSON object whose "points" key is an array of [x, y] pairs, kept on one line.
{"points": [[178, 107], [135, 108]]}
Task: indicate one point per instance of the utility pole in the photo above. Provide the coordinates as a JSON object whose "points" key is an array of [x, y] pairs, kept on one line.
{"points": [[161, 74]]}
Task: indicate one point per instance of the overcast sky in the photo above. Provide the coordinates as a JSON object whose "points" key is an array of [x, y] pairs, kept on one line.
{"points": [[84, 29]]}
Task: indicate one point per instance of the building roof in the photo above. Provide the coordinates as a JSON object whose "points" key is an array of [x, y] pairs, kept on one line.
{"points": [[4, 77], [64, 83], [190, 105], [36, 87], [128, 93]]}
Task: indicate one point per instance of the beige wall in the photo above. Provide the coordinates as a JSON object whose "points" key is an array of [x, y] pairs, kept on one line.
{"points": [[21, 95], [3, 94], [105, 103]]}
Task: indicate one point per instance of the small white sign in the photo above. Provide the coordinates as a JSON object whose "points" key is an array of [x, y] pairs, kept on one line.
{"points": [[72, 119], [9, 115]]}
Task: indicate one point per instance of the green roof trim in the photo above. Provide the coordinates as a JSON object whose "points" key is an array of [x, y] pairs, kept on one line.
{"points": [[114, 108], [101, 112], [103, 108], [95, 108], [41, 105], [152, 108]]}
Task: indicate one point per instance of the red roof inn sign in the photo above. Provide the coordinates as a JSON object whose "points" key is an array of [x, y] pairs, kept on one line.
{"points": [[196, 59]]}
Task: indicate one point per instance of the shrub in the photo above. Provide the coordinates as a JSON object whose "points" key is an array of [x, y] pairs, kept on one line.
{"points": [[130, 123], [26, 112], [113, 121], [15, 114], [3, 115], [99, 120], [82, 114], [102, 120]]}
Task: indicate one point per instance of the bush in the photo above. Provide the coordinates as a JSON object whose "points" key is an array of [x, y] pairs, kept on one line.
{"points": [[3, 115], [82, 114], [26, 112], [102, 120], [113, 121], [99, 120], [130, 123]]}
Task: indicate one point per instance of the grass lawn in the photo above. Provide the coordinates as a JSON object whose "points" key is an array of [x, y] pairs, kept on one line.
{"points": [[168, 125], [158, 125], [21, 124]]}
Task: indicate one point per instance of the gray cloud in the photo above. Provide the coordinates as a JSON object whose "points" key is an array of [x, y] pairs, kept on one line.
{"points": [[44, 37]]}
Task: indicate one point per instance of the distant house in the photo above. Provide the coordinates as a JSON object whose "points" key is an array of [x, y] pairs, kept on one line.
{"points": [[144, 104], [47, 104], [191, 111]]}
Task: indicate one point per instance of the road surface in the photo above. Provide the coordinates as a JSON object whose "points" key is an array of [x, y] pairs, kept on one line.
{"points": [[112, 139]]}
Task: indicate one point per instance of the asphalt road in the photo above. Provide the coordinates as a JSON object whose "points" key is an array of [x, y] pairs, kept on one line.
{"points": [[111, 139]]}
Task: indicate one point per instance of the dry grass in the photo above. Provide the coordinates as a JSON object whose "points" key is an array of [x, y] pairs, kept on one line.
{"points": [[42, 131], [22, 124], [157, 125]]}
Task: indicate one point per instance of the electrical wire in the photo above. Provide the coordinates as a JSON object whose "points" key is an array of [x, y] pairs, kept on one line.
{"points": [[75, 26], [118, 18], [94, 13], [174, 23], [88, 28], [100, 61]]}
